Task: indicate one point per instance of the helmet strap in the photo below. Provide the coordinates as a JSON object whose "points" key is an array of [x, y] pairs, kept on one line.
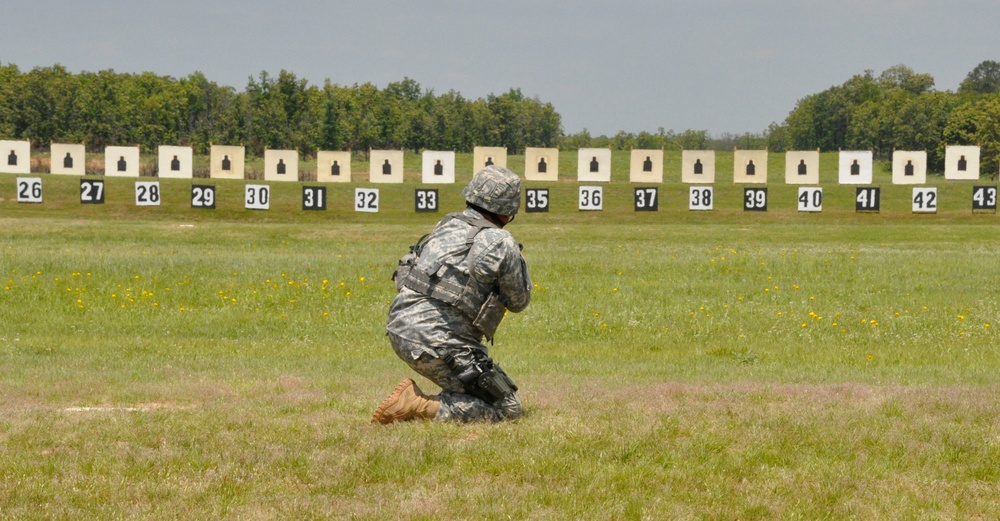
{"points": [[488, 215]]}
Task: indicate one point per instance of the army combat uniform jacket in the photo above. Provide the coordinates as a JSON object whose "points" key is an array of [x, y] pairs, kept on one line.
{"points": [[492, 265]]}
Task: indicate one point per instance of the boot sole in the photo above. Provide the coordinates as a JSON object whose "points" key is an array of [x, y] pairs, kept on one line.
{"points": [[391, 400]]}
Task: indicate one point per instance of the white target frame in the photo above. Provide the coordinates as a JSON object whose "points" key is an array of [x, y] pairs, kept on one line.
{"points": [[593, 165], [174, 156], [847, 174], [690, 161], [383, 161], [534, 157], [236, 157], [75, 152], [278, 161], [913, 162], [121, 162], [646, 166], [797, 160], [18, 152], [325, 161], [438, 167], [747, 161], [483, 155], [954, 155]]}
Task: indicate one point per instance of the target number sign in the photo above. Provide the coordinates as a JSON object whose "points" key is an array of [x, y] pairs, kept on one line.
{"points": [[29, 189], [925, 199], [984, 198], [810, 199], [425, 200], [755, 199], [203, 196], [591, 198], [536, 200], [257, 197], [314, 198], [147, 193], [91, 191], [366, 200], [866, 199], [647, 199], [701, 198]]}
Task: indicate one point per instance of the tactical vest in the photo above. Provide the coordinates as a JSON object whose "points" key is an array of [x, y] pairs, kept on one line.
{"points": [[442, 281]]}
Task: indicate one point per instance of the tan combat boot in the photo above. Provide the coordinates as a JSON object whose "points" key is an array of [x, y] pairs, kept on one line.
{"points": [[406, 403]]}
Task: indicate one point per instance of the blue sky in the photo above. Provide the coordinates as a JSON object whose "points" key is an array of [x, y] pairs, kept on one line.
{"points": [[722, 66]]}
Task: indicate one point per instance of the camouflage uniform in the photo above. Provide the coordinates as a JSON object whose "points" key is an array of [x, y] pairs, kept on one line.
{"points": [[438, 339]]}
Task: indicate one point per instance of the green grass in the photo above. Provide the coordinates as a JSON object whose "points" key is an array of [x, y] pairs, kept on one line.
{"points": [[175, 363]]}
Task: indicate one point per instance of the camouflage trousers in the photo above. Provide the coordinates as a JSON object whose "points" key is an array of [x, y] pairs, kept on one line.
{"points": [[456, 405]]}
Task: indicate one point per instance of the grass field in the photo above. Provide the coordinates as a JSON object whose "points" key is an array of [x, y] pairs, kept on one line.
{"points": [[166, 362]]}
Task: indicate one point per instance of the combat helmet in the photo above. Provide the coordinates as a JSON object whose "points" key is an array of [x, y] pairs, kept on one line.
{"points": [[495, 189]]}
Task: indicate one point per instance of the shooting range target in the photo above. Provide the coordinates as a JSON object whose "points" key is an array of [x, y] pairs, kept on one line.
{"points": [[594, 165], [802, 167], [175, 162], [961, 163], [333, 167], [698, 166], [909, 167], [68, 159], [121, 162], [281, 165], [646, 166], [438, 167], [386, 166], [750, 167], [16, 157], [855, 167], [483, 157], [227, 162], [541, 164]]}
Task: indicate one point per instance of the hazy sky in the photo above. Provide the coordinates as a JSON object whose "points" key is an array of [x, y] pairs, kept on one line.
{"points": [[722, 66]]}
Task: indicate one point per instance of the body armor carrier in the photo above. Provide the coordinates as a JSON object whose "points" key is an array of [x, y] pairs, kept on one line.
{"points": [[449, 284]]}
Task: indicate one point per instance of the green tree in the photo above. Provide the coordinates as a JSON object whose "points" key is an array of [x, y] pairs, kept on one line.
{"points": [[976, 123], [984, 79], [904, 78]]}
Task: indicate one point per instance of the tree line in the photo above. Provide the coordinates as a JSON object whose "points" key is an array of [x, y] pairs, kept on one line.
{"points": [[898, 109], [51, 104]]}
